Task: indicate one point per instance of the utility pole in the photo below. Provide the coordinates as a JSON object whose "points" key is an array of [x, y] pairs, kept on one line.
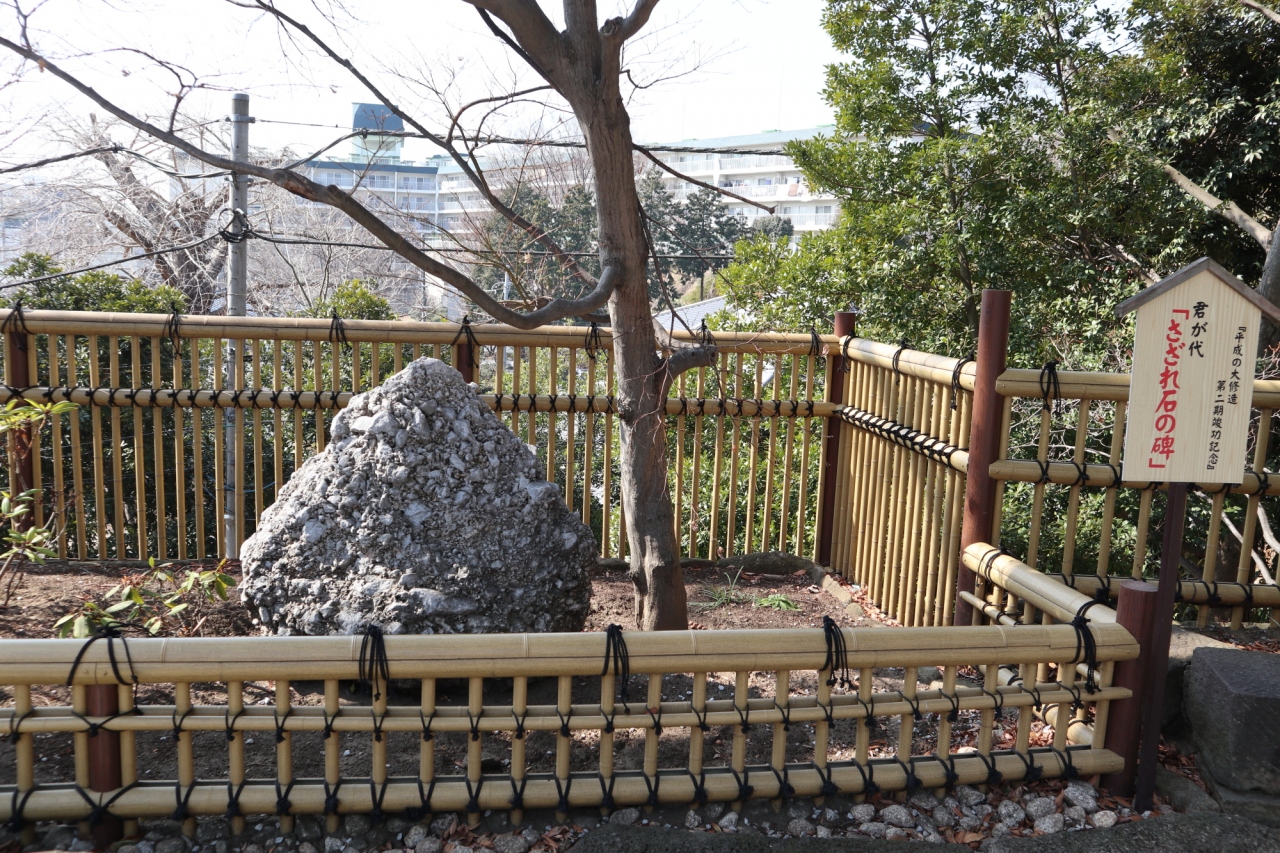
{"points": [[237, 274]]}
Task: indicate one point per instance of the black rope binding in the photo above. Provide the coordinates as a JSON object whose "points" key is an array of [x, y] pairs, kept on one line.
{"points": [[1086, 646], [594, 343], [338, 331], [615, 648], [815, 347], [110, 633], [837, 662], [373, 660], [955, 378], [16, 324], [700, 795], [172, 329], [464, 332], [897, 355], [1050, 388]]}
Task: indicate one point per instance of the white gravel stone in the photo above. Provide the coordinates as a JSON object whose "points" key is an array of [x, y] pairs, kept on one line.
{"points": [[1081, 794], [894, 833], [873, 828], [1074, 816], [333, 844], [729, 820], [969, 796], [691, 820], [924, 801], [429, 844], [1049, 823], [942, 816], [1011, 812], [625, 817], [411, 838], [823, 832], [1103, 819], [1039, 807], [509, 844], [899, 816], [862, 813], [799, 828]]}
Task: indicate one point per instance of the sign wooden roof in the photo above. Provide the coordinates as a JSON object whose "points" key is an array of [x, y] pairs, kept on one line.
{"points": [[1266, 306]]}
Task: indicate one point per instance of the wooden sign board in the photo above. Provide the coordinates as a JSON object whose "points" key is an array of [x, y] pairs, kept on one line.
{"points": [[1190, 392]]}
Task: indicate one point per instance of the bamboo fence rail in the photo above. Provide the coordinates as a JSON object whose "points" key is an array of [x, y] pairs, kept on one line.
{"points": [[899, 495], [132, 483], [1066, 509], [804, 679]]}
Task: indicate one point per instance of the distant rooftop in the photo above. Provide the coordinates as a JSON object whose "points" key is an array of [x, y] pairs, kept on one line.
{"points": [[693, 315], [375, 117], [766, 137]]}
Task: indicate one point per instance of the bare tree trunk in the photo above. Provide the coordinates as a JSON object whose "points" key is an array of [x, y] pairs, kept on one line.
{"points": [[641, 373], [1269, 286]]}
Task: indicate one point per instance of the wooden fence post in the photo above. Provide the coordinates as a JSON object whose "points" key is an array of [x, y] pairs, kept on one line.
{"points": [[844, 327], [984, 437], [1136, 613], [103, 700], [465, 361]]}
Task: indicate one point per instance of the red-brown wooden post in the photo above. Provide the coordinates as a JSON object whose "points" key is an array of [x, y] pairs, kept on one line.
{"points": [[844, 327], [103, 700], [23, 475], [984, 437], [1136, 613], [465, 361]]}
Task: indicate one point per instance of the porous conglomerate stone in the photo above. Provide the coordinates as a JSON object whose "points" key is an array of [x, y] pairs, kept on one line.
{"points": [[423, 515]]}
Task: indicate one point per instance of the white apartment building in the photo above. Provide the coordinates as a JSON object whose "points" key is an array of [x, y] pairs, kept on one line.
{"points": [[770, 179], [437, 193]]}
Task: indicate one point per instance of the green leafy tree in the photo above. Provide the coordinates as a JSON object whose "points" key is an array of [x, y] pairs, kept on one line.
{"points": [[356, 299], [90, 291]]}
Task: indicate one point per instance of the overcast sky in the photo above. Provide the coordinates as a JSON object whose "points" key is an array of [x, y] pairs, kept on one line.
{"points": [[743, 66]]}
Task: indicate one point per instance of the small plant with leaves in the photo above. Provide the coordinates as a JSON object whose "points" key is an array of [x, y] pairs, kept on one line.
{"points": [[722, 596], [155, 602], [25, 542], [776, 601]]}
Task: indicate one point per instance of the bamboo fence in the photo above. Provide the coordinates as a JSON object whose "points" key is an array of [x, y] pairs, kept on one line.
{"points": [[139, 470], [805, 680], [899, 494], [1066, 509]]}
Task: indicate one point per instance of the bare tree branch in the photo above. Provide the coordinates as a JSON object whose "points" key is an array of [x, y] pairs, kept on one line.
{"points": [[664, 167], [1258, 7], [301, 186], [463, 162], [635, 22]]}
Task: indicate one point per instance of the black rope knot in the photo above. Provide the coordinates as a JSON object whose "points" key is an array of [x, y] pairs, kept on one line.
{"points": [[594, 343], [815, 346], [955, 379], [338, 331], [173, 328], [1086, 646], [16, 324], [615, 651], [897, 356], [464, 332], [1050, 388], [373, 661], [837, 662], [110, 633]]}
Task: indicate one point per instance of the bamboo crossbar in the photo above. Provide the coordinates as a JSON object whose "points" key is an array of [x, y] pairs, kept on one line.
{"points": [[939, 369], [1056, 599], [510, 655], [1106, 476], [1221, 593], [156, 799], [264, 398], [195, 326], [1082, 385]]}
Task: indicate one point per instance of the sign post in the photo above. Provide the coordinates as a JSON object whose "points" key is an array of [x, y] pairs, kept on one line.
{"points": [[1190, 394]]}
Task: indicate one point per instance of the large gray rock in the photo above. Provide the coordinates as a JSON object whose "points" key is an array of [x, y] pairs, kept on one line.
{"points": [[424, 514], [1182, 645], [1232, 701]]}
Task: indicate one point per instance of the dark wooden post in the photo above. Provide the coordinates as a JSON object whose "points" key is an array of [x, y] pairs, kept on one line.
{"points": [[984, 437], [1161, 630], [1136, 613], [103, 700], [844, 327], [465, 361], [23, 476]]}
